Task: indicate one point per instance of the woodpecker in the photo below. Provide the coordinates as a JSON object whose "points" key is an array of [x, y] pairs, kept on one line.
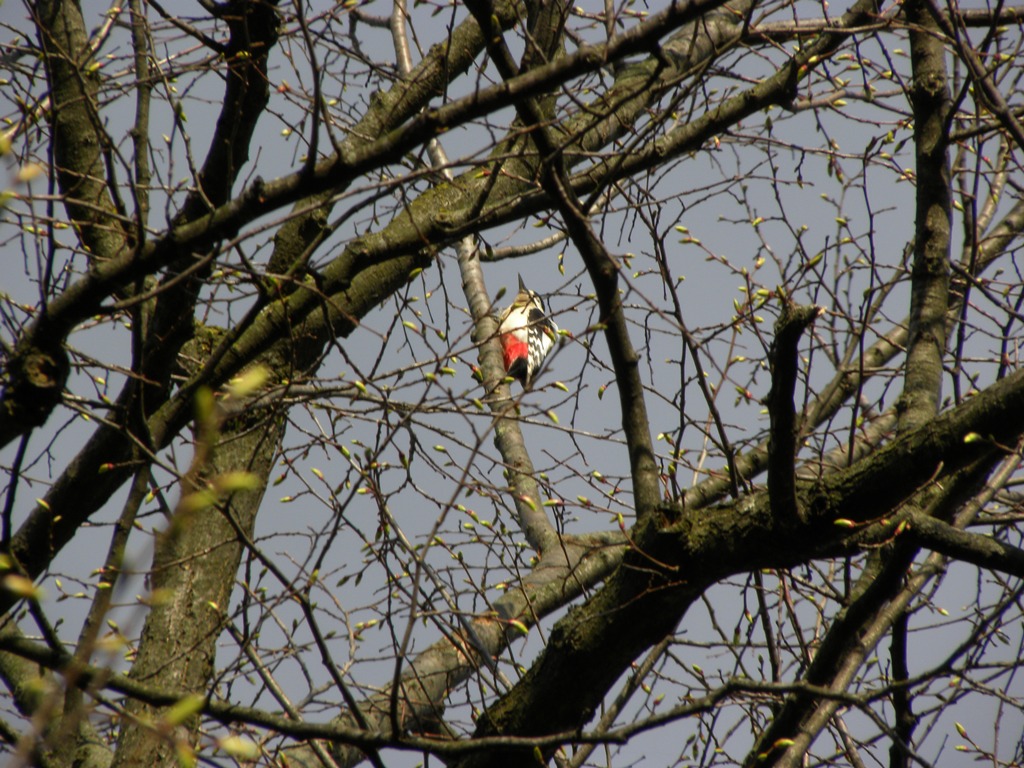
{"points": [[527, 335]]}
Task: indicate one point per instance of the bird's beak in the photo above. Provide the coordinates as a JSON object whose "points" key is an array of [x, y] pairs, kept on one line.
{"points": [[522, 286]]}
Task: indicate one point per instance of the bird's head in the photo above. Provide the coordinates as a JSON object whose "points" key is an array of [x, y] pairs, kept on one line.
{"points": [[527, 298]]}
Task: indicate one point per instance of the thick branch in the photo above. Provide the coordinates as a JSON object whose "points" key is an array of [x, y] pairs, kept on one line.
{"points": [[781, 31], [899, 751], [78, 138], [782, 446], [179, 639], [983, 551], [929, 300], [253, 30]]}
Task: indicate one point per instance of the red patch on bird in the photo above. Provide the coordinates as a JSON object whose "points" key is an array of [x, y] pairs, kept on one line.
{"points": [[513, 349]]}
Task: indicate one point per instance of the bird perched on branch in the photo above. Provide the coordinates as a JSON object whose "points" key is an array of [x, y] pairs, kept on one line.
{"points": [[527, 335]]}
